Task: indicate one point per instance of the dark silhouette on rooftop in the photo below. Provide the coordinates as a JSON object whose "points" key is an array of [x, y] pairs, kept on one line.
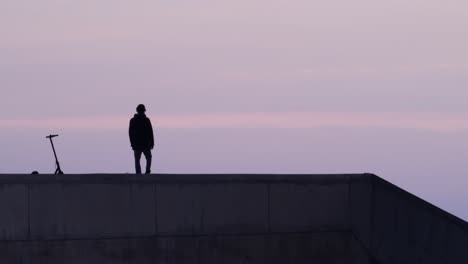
{"points": [[141, 138], [58, 170]]}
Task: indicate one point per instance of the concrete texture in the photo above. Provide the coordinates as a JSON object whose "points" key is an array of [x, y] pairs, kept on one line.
{"points": [[14, 220], [360, 203], [356, 218], [308, 206], [329, 247], [395, 226], [59, 211], [212, 208]]}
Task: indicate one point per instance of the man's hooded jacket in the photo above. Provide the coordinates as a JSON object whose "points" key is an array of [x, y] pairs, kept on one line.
{"points": [[141, 132]]}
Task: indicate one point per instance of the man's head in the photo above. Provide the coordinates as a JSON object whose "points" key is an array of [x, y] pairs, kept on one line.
{"points": [[141, 109]]}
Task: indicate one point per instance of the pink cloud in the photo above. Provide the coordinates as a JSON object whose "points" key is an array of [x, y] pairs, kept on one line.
{"points": [[442, 122], [373, 71]]}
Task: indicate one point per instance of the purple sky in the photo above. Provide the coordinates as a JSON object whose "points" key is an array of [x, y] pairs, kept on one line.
{"points": [[242, 86]]}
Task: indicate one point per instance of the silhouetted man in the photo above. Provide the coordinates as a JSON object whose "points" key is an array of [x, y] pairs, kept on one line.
{"points": [[141, 138]]}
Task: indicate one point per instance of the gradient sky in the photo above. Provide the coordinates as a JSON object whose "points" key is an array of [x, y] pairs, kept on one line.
{"points": [[242, 86]]}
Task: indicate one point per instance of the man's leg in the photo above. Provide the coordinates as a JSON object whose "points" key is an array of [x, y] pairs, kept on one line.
{"points": [[137, 161], [148, 157]]}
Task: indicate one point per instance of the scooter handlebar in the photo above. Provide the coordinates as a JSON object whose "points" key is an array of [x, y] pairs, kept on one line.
{"points": [[51, 136]]}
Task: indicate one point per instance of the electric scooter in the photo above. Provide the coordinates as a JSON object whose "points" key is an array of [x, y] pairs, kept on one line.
{"points": [[57, 164]]}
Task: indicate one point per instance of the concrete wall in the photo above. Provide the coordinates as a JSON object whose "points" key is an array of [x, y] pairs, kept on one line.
{"points": [[105, 206], [221, 219], [321, 248], [176, 219], [398, 227]]}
